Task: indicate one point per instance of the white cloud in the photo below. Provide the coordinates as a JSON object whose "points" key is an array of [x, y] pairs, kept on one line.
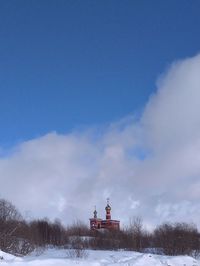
{"points": [[172, 115], [149, 167]]}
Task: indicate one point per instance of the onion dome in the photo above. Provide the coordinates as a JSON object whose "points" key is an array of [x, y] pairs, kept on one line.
{"points": [[107, 208]]}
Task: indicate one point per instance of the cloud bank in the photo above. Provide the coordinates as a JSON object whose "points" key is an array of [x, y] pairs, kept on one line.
{"points": [[148, 167]]}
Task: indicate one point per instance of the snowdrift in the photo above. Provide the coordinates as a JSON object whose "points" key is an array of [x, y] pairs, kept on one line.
{"points": [[54, 257]]}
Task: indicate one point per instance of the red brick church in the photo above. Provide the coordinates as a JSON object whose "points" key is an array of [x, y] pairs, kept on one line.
{"points": [[108, 223]]}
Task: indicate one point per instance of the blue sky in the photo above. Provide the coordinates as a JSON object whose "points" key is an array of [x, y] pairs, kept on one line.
{"points": [[71, 64]]}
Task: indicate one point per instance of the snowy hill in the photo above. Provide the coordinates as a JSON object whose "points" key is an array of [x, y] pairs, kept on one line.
{"points": [[53, 257]]}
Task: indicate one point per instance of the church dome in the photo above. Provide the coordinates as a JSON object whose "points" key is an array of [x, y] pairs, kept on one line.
{"points": [[108, 208]]}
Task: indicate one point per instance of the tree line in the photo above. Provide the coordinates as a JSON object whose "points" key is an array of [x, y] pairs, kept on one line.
{"points": [[20, 237]]}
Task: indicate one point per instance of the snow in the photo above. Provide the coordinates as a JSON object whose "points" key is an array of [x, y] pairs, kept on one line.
{"points": [[55, 257]]}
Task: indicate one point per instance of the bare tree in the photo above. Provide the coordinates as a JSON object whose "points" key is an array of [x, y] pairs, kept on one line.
{"points": [[135, 232], [13, 230], [177, 239], [8, 211]]}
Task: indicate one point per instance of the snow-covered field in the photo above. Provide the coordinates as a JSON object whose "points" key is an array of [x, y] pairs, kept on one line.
{"points": [[53, 257]]}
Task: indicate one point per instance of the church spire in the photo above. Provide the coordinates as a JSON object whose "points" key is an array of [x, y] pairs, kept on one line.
{"points": [[95, 213]]}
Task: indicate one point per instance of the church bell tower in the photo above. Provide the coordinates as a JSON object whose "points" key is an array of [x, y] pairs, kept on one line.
{"points": [[108, 210]]}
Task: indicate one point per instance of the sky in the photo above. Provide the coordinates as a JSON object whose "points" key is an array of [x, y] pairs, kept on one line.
{"points": [[101, 99]]}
